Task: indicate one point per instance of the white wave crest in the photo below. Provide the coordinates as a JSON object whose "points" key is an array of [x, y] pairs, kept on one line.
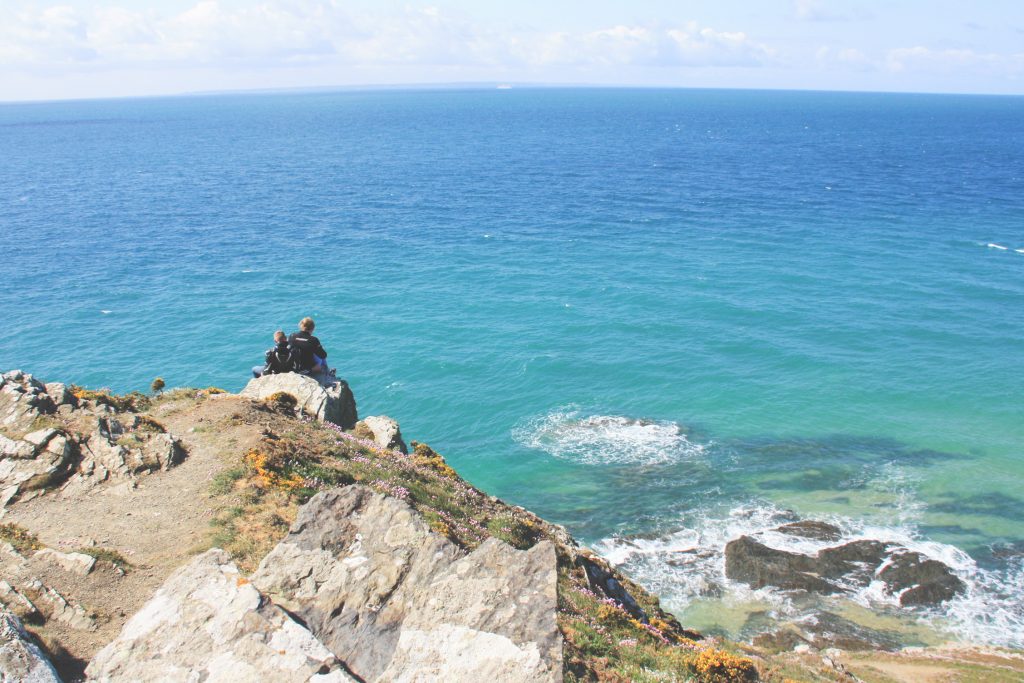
{"points": [[993, 245], [687, 564], [606, 439]]}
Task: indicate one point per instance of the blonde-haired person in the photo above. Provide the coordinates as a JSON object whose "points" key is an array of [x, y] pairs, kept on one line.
{"points": [[307, 351]]}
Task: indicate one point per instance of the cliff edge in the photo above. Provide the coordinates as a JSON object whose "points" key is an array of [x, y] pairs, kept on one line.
{"points": [[272, 535]]}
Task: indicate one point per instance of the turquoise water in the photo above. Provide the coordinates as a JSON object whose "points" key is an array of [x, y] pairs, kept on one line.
{"points": [[634, 312]]}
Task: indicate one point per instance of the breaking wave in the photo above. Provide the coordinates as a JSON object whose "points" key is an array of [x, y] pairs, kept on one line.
{"points": [[688, 564], [606, 439]]}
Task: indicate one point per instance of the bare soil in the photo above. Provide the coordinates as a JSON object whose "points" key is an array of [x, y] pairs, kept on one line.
{"points": [[157, 522]]}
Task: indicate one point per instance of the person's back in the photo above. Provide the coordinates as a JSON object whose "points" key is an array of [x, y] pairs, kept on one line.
{"points": [[308, 355], [277, 360]]}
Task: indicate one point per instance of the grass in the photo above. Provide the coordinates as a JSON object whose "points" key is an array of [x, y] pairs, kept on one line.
{"points": [[23, 540], [130, 402], [113, 557], [298, 458]]}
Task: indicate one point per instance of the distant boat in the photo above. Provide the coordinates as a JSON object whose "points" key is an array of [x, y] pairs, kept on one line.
{"points": [[504, 86]]}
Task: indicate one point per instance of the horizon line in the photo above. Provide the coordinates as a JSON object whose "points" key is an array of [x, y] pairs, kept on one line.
{"points": [[485, 85]]}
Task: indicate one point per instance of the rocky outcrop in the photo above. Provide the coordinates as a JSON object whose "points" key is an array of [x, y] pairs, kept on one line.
{"points": [[758, 566], [38, 460], [22, 399], [21, 660], [52, 439], [209, 623], [125, 446], [325, 398], [919, 580], [916, 579], [383, 431], [29, 597], [398, 602]]}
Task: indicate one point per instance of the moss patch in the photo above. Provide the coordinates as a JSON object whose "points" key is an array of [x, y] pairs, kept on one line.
{"points": [[22, 539]]}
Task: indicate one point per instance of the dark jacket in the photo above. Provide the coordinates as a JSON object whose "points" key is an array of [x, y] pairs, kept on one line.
{"points": [[278, 360], [304, 346]]}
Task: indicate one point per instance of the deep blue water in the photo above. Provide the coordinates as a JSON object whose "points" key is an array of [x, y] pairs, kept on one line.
{"points": [[633, 311]]}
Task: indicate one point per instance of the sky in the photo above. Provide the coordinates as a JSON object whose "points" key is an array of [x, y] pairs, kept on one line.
{"points": [[113, 48]]}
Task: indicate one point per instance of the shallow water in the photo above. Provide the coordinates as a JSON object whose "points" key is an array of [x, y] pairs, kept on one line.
{"points": [[646, 312]]}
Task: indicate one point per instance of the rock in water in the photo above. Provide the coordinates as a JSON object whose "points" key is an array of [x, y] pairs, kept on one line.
{"points": [[325, 398], [822, 531], [398, 602], [208, 623], [758, 565], [21, 661], [917, 579], [383, 431]]}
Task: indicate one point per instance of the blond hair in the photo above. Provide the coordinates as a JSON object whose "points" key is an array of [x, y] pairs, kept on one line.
{"points": [[279, 335], [307, 324]]}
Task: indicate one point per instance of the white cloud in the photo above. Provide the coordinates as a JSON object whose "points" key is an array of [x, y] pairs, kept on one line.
{"points": [[287, 32], [919, 58]]}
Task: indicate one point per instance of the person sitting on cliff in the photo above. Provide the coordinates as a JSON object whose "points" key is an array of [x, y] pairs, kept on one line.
{"points": [[308, 354], [278, 360]]}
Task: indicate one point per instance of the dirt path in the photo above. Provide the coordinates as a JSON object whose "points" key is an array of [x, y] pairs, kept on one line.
{"points": [[157, 525]]}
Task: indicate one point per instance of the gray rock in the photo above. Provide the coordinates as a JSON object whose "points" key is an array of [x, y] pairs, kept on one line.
{"points": [[325, 398], [59, 394], [16, 601], [55, 606], [919, 580], [398, 602], [38, 466], [118, 447], [22, 399], [822, 531], [16, 448], [21, 660], [758, 566], [383, 431], [75, 563], [208, 623]]}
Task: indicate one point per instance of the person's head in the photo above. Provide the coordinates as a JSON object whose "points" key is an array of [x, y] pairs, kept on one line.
{"points": [[280, 337], [307, 325]]}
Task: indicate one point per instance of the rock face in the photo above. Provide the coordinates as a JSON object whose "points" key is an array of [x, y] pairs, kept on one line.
{"points": [[398, 602], [326, 398], [383, 431], [21, 660], [22, 399], [916, 579], [103, 445], [208, 623]]}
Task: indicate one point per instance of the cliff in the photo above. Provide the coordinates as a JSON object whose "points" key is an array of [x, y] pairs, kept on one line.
{"points": [[272, 535]]}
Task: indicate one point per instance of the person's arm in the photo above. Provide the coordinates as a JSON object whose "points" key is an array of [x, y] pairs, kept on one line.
{"points": [[320, 350]]}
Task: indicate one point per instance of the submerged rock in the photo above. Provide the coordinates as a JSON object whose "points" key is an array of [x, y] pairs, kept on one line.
{"points": [[209, 623], [21, 660], [325, 398], [398, 602]]}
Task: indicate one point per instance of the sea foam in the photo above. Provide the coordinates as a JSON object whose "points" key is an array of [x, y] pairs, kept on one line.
{"points": [[688, 563], [606, 439]]}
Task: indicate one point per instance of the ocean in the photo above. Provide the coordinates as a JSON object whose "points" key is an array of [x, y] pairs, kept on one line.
{"points": [[662, 318]]}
